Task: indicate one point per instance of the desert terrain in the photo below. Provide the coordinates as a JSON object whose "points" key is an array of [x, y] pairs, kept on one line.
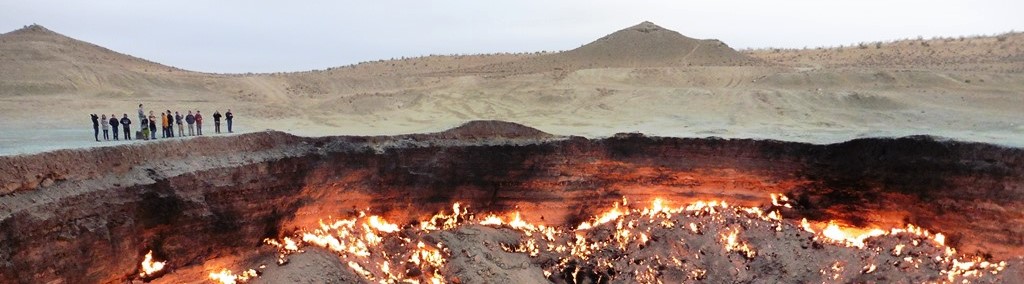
{"points": [[644, 156], [644, 78]]}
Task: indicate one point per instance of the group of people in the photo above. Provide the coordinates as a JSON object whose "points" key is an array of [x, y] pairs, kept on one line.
{"points": [[148, 124]]}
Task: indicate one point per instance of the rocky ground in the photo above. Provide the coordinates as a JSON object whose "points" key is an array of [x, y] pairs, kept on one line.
{"points": [[693, 244]]}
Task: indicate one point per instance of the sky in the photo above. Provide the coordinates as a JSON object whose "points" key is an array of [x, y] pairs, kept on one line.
{"points": [[239, 36]]}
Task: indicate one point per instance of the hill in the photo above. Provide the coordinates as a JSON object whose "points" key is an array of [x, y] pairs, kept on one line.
{"points": [[36, 60], [649, 45], [641, 46]]}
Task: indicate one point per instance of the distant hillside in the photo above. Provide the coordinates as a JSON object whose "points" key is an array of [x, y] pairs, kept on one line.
{"points": [[36, 60], [647, 44], [642, 45], [999, 53]]}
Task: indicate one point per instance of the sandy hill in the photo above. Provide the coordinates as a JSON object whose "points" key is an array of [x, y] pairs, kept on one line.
{"points": [[36, 60], [639, 46], [649, 45]]}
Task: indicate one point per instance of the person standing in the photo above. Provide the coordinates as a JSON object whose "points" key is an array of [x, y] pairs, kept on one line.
{"points": [[163, 124], [191, 120], [199, 123], [180, 120], [216, 121], [106, 127], [113, 124], [144, 133], [152, 126], [170, 124], [142, 114], [125, 122], [228, 116], [95, 126]]}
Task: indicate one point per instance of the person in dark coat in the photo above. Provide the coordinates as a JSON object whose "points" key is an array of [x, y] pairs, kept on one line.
{"points": [[170, 124], [191, 120], [96, 127], [125, 122], [216, 121], [144, 124], [152, 125], [228, 116], [114, 124]]}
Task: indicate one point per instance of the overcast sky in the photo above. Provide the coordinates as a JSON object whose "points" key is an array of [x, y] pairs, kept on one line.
{"points": [[237, 36]]}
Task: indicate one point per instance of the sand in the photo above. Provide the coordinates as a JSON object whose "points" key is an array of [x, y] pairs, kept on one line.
{"points": [[49, 85]]}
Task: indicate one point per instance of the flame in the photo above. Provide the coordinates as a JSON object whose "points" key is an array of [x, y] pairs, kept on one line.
{"points": [[381, 225], [733, 244], [779, 199], [609, 216], [149, 266], [492, 220], [226, 277], [446, 221], [849, 236], [360, 241]]}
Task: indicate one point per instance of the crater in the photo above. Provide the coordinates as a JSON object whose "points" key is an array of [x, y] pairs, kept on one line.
{"points": [[208, 203]]}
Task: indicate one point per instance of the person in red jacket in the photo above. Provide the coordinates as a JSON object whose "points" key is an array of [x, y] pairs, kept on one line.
{"points": [[199, 123]]}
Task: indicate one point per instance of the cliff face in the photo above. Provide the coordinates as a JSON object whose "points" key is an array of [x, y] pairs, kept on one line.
{"points": [[69, 216]]}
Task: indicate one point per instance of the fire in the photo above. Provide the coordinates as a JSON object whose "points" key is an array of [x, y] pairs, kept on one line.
{"points": [[612, 214], [226, 277], [149, 266], [849, 236], [780, 200], [492, 220], [373, 248], [382, 225], [733, 244], [446, 221]]}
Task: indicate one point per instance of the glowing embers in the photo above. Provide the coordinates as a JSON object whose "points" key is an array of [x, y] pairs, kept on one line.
{"points": [[150, 267], [732, 243], [379, 250], [713, 241], [699, 241], [643, 245], [225, 276]]}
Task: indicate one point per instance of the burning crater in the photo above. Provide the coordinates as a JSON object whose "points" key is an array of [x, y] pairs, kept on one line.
{"points": [[498, 202]]}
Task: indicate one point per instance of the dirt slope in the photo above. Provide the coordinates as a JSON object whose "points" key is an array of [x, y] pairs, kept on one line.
{"points": [[35, 60], [998, 53]]}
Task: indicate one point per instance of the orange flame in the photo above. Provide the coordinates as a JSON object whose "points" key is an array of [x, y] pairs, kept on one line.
{"points": [[226, 277], [149, 266], [358, 240]]}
